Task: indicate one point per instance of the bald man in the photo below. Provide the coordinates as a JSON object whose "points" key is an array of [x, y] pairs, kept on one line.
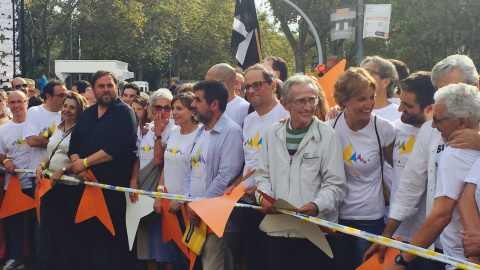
{"points": [[237, 107], [20, 84]]}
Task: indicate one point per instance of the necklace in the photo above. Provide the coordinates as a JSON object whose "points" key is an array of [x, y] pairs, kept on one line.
{"points": [[68, 131]]}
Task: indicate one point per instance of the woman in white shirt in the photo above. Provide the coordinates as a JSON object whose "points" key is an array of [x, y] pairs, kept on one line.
{"points": [[64, 197], [140, 107], [367, 140]]}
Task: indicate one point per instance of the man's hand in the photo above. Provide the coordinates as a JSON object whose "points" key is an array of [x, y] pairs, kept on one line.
{"points": [[471, 243], [250, 191], [375, 248], [267, 207], [228, 190], [78, 166], [55, 177], [133, 196], [83, 176], [9, 167], [332, 113], [465, 138], [157, 206], [38, 176], [192, 216], [173, 207], [145, 129], [308, 209]]}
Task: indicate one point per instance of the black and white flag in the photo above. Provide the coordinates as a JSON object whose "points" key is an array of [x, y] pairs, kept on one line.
{"points": [[244, 41]]}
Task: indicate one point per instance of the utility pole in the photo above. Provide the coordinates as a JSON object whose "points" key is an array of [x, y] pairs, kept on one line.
{"points": [[360, 20]]}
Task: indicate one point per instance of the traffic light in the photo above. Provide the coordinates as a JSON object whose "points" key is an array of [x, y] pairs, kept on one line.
{"points": [[321, 70]]}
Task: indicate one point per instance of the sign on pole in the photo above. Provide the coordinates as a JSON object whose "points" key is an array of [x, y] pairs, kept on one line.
{"points": [[377, 20], [342, 22], [6, 42]]}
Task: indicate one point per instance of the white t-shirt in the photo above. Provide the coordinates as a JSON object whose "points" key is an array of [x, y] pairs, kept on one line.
{"points": [[237, 110], [453, 168], [177, 159], [404, 141], [146, 146], [253, 130], [15, 147], [474, 178], [395, 101], [39, 120], [198, 160], [60, 159], [361, 155], [389, 113]]}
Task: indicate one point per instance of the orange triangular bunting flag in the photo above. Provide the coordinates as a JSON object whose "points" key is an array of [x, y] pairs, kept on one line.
{"points": [[192, 257], [93, 204], [215, 211], [39, 192], [15, 201], [171, 228], [327, 81]]}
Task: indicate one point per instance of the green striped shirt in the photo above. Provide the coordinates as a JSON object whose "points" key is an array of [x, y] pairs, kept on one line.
{"points": [[294, 137]]}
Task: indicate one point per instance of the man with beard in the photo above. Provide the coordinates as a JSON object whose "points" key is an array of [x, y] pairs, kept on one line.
{"points": [[216, 160], [104, 142]]}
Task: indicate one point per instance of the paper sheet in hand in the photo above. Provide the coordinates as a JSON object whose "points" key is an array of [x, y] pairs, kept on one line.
{"points": [[136, 211], [195, 237], [374, 264], [275, 223]]}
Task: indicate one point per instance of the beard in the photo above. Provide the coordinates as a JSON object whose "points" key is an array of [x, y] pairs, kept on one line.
{"points": [[106, 100], [204, 118], [413, 119]]}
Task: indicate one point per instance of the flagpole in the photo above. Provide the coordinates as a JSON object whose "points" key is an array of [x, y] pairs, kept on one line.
{"points": [[258, 46], [360, 20], [312, 28]]}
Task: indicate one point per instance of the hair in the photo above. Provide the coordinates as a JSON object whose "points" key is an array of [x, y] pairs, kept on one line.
{"points": [[213, 90], [35, 101], [322, 106], [143, 102], [461, 100], [268, 73], [420, 84], [351, 83], [401, 67], [82, 103], [160, 93], [456, 61], [387, 70], [298, 79], [186, 99], [81, 86], [132, 86], [185, 88], [3, 95], [97, 75], [278, 64], [49, 87], [239, 70]]}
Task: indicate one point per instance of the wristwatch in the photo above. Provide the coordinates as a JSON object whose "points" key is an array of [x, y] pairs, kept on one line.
{"points": [[399, 260], [64, 169], [155, 137]]}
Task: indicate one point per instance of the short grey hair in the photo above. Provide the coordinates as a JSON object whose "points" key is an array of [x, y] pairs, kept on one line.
{"points": [[298, 79], [386, 68], [461, 62], [160, 93], [461, 100]]}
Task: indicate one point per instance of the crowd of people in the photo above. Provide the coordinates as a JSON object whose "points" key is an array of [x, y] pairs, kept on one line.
{"points": [[398, 156]]}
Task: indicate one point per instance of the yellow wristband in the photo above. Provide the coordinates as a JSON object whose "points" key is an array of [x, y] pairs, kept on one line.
{"points": [[260, 199], [5, 161], [85, 163], [46, 135], [44, 166], [160, 187]]}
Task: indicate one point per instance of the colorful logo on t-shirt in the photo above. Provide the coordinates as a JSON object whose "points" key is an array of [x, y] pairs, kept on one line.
{"points": [[350, 158], [147, 148], [406, 147], [174, 151], [20, 142], [197, 159], [255, 142]]}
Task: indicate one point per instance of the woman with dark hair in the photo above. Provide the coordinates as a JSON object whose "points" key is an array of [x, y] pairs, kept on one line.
{"points": [[367, 140], [140, 107], [65, 197]]}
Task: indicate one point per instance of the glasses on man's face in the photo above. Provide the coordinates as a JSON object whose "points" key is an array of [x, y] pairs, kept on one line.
{"points": [[13, 102], [303, 101], [159, 108], [62, 95], [371, 71], [255, 86], [437, 121], [18, 86]]}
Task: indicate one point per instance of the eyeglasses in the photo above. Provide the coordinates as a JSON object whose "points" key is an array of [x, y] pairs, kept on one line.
{"points": [[62, 95], [255, 85], [158, 108], [303, 101], [18, 86], [437, 121], [13, 102], [382, 75]]}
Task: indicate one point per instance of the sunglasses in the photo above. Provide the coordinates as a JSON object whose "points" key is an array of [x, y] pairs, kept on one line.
{"points": [[18, 86], [159, 108]]}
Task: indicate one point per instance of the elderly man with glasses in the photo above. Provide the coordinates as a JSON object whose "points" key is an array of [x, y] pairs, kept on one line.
{"points": [[300, 161]]}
